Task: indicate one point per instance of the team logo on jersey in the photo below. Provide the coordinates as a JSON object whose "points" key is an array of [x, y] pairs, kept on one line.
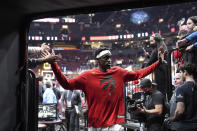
{"points": [[179, 96], [108, 82]]}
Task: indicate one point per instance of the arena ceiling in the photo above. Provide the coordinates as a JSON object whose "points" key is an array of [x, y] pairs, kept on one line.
{"points": [[15, 13]]}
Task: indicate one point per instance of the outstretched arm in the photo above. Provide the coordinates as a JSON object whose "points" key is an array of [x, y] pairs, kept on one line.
{"points": [[52, 59], [70, 84], [60, 76], [33, 62], [134, 75], [192, 36], [190, 47], [34, 50], [189, 38]]}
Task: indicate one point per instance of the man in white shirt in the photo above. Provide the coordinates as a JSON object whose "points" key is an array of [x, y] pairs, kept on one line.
{"points": [[49, 95]]}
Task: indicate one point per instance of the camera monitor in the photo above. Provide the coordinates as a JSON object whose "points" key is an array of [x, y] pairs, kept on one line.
{"points": [[47, 111]]}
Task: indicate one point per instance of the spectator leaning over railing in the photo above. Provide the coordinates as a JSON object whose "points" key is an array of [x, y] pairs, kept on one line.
{"points": [[190, 48]]}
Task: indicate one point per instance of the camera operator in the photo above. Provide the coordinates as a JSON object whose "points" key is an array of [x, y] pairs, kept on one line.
{"points": [[135, 101], [153, 107]]}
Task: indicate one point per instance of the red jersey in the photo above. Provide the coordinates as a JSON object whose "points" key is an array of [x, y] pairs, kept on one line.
{"points": [[104, 91]]}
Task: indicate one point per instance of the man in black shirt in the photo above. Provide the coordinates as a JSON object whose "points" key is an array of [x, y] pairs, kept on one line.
{"points": [[186, 98], [178, 80], [154, 104]]}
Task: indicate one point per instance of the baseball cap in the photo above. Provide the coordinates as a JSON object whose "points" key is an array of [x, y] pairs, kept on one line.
{"points": [[146, 83]]}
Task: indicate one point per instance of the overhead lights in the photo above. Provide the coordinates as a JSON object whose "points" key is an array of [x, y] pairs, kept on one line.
{"points": [[141, 59], [161, 20], [64, 26], [69, 20], [91, 14], [119, 62], [118, 25], [146, 34], [172, 29], [126, 44], [92, 61]]}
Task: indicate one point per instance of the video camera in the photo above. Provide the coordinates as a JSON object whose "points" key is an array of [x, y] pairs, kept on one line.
{"points": [[133, 104]]}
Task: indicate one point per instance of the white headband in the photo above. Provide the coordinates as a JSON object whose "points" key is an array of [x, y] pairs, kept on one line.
{"points": [[102, 53]]}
